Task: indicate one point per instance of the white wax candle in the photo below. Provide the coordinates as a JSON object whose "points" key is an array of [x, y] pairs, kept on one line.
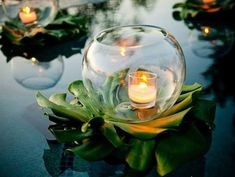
{"points": [[142, 93], [27, 15]]}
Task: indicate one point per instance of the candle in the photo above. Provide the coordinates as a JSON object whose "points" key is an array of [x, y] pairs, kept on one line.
{"points": [[142, 89], [27, 15], [208, 1]]}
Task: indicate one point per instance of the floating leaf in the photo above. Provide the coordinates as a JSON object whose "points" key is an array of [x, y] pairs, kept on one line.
{"points": [[78, 90], [78, 115], [93, 150], [67, 135], [110, 133], [141, 154], [176, 149], [170, 121], [140, 131]]}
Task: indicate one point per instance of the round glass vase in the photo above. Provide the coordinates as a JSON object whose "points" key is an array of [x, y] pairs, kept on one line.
{"points": [[30, 13], [117, 52]]}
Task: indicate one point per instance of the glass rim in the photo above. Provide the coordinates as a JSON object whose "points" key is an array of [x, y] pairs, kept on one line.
{"points": [[107, 30], [151, 75]]}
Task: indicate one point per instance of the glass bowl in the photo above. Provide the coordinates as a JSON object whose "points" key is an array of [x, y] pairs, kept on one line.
{"points": [[30, 13], [118, 52]]}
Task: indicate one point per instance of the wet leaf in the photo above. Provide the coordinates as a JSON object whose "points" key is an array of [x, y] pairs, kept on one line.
{"points": [[93, 150], [176, 149], [141, 154]]}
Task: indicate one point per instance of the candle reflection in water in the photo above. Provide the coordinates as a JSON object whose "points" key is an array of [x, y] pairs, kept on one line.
{"points": [[33, 74]]}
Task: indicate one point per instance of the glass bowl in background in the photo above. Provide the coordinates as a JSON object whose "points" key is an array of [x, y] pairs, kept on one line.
{"points": [[30, 13], [116, 52]]}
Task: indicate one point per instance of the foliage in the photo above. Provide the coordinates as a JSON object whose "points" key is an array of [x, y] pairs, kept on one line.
{"points": [[20, 41], [193, 9], [180, 134]]}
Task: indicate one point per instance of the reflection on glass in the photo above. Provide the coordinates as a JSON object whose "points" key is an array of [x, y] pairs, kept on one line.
{"points": [[30, 13], [211, 41], [37, 75]]}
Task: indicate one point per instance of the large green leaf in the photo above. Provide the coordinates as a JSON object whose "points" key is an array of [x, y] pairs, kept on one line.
{"points": [[110, 133], [141, 155], [93, 150], [78, 90], [170, 121], [140, 131], [185, 103], [60, 99], [67, 135], [176, 149], [189, 90], [78, 115]]}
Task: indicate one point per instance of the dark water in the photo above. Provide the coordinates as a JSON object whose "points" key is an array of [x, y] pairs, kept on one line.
{"points": [[24, 149]]}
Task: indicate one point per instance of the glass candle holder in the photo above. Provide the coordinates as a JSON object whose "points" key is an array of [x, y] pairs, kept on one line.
{"points": [[140, 64], [142, 89], [30, 13]]}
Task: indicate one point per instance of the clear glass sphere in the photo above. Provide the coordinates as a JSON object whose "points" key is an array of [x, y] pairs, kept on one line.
{"points": [[30, 13], [117, 52], [37, 75]]}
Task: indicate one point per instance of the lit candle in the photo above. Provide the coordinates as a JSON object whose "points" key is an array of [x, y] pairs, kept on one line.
{"points": [[208, 1], [142, 89], [27, 15]]}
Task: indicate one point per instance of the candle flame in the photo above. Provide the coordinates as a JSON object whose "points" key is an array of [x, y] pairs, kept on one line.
{"points": [[142, 85], [26, 9], [206, 30], [123, 51], [144, 78]]}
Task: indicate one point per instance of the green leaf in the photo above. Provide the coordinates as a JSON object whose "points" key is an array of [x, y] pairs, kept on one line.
{"points": [[68, 135], [57, 119], [78, 90], [140, 131], [110, 133], [93, 150], [170, 121], [185, 103], [177, 5], [141, 155], [77, 115], [189, 88], [176, 149], [186, 94], [60, 99], [204, 110], [110, 84]]}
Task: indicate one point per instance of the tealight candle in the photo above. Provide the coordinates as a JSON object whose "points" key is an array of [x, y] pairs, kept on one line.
{"points": [[27, 15], [208, 1], [142, 89]]}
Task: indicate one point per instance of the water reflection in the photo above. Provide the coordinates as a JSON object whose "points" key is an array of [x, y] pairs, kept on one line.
{"points": [[207, 40], [213, 36], [220, 74], [37, 75]]}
